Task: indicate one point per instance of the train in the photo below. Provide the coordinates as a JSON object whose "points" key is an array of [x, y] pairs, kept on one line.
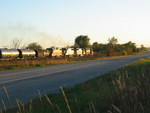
{"points": [[9, 54]]}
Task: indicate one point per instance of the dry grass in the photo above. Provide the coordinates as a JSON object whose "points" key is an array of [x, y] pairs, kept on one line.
{"points": [[6, 65], [66, 100], [125, 90], [30, 63]]}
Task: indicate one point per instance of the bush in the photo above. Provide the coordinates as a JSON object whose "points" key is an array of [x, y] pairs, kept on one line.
{"points": [[10, 67], [38, 65], [124, 53]]}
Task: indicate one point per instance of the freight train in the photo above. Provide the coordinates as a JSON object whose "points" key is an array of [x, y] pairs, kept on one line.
{"points": [[9, 54]]}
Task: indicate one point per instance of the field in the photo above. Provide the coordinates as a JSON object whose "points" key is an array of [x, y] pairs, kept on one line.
{"points": [[125, 90]]}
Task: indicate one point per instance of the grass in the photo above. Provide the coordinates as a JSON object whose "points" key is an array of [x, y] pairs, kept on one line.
{"points": [[38, 65], [9, 67], [126, 90], [6, 65]]}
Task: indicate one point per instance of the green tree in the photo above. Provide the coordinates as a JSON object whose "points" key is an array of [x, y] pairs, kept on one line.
{"points": [[96, 47], [111, 46], [34, 46], [83, 41], [76, 45], [130, 47], [113, 41], [142, 48]]}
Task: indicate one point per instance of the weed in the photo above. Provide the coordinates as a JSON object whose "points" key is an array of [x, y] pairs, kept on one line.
{"points": [[10, 67], [125, 90], [38, 65]]}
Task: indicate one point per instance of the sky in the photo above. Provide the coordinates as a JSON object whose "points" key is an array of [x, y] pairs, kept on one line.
{"points": [[59, 22]]}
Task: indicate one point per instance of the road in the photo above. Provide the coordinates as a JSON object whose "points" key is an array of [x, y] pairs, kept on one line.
{"points": [[23, 84]]}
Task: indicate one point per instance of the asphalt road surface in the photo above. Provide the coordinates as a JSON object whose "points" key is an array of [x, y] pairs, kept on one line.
{"points": [[23, 84]]}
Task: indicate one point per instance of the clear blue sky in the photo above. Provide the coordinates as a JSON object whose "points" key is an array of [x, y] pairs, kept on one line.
{"points": [[58, 22]]}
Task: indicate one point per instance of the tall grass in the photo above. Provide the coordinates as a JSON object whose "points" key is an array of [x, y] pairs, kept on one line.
{"points": [[125, 90]]}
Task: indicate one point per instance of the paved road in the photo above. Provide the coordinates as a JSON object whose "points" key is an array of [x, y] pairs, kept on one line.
{"points": [[23, 84]]}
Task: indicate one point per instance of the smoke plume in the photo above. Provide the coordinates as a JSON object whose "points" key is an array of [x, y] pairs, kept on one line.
{"points": [[28, 35]]}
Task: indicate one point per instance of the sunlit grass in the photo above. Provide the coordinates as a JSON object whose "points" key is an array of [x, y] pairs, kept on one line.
{"points": [[125, 90]]}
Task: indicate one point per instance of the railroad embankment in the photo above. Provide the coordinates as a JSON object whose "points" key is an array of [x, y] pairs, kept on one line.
{"points": [[6, 65]]}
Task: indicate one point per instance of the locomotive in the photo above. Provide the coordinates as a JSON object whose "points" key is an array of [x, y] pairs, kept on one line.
{"points": [[9, 54]]}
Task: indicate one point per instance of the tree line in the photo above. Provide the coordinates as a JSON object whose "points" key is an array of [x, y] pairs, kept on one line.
{"points": [[111, 48]]}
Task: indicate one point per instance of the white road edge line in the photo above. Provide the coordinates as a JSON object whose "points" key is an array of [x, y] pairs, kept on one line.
{"points": [[42, 75]]}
